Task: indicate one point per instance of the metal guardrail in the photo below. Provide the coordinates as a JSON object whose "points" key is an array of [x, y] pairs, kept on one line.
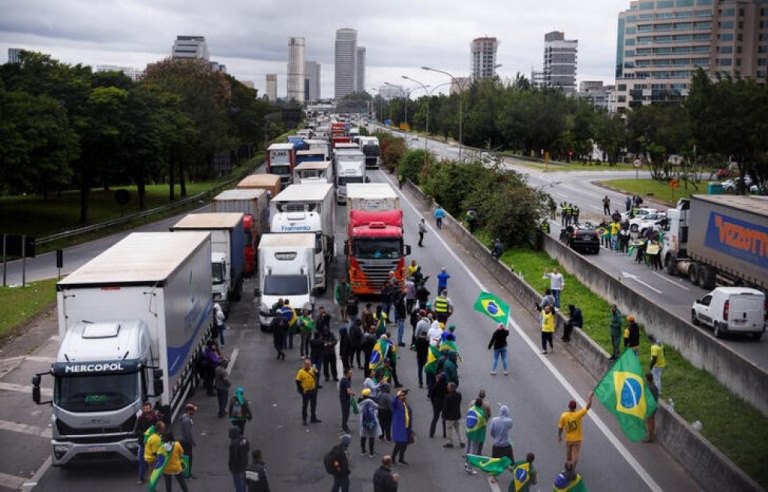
{"points": [[146, 213]]}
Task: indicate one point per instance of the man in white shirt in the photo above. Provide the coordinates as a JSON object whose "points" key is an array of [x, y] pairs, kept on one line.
{"points": [[435, 333], [556, 284]]}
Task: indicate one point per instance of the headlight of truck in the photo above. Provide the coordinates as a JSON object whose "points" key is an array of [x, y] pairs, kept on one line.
{"points": [[132, 446], [60, 450]]}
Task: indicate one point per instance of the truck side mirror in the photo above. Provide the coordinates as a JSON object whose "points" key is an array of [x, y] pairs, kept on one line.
{"points": [[407, 249], [36, 390], [157, 382]]}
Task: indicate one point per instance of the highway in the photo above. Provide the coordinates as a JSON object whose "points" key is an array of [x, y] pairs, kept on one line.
{"points": [[674, 294], [537, 391]]}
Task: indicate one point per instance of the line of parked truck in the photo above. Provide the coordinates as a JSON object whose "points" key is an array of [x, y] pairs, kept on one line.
{"points": [[134, 320]]}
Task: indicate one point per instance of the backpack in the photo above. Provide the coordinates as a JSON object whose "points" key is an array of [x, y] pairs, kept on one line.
{"points": [[329, 462], [369, 418], [237, 409]]}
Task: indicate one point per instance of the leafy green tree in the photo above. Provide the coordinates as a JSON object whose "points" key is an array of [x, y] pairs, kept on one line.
{"points": [[356, 102]]}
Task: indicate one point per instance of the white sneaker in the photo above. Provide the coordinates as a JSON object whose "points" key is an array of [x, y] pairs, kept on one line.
{"points": [[506, 373], [544, 352], [493, 373]]}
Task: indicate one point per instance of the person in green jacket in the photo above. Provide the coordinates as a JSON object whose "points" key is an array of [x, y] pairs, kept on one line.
{"points": [[449, 368], [617, 322], [342, 293]]}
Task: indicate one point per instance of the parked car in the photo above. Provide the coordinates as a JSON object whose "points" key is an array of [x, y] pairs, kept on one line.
{"points": [[733, 183], [731, 310], [652, 220], [583, 239], [639, 213]]}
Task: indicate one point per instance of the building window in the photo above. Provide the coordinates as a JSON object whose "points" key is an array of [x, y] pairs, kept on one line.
{"points": [[684, 26], [727, 50], [646, 5], [699, 3], [762, 62], [704, 25], [725, 62], [622, 87], [727, 12], [629, 53], [665, 4], [629, 42], [726, 37], [631, 30], [726, 25]]}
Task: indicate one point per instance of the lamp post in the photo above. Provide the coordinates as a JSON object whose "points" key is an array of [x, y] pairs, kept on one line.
{"points": [[461, 102]]}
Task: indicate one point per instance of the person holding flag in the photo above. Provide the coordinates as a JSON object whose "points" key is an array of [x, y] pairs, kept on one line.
{"points": [[476, 422], [379, 354], [430, 368], [499, 345], [570, 421], [625, 393], [523, 473]]}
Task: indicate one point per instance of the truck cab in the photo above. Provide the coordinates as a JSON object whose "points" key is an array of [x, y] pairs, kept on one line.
{"points": [[350, 168], [281, 159], [312, 172]]}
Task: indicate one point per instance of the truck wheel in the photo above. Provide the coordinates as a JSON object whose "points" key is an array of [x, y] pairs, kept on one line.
{"points": [[717, 331], [707, 276], [693, 273], [670, 265], [757, 336], [694, 319]]}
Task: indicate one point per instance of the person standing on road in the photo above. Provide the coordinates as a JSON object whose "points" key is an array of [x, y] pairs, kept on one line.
{"points": [[355, 337], [400, 315], [221, 384], [316, 352], [650, 421], [256, 474], [218, 323], [499, 344], [306, 385], [340, 466], [370, 425], [173, 468], [239, 410], [439, 216], [384, 400], [323, 320], [153, 442], [571, 422], [421, 345], [436, 395], [367, 318], [342, 294], [617, 322], [556, 284], [345, 395], [144, 421], [211, 359], [238, 458], [279, 327], [353, 309], [501, 426], [658, 360], [402, 422], [187, 434], [547, 329], [410, 294], [306, 327], [345, 350], [442, 279], [329, 354], [383, 479], [628, 203], [422, 230], [452, 415], [476, 422], [606, 205]]}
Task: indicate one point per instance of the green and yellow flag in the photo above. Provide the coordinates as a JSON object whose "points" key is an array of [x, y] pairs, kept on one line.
{"points": [[522, 472], [432, 356], [624, 393], [493, 307], [563, 485], [492, 466], [476, 422], [161, 461]]}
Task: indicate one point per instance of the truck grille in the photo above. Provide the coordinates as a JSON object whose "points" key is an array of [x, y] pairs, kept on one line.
{"points": [[377, 272], [127, 427]]}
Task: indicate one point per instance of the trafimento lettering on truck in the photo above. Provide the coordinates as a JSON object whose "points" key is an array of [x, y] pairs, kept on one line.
{"points": [[105, 367]]}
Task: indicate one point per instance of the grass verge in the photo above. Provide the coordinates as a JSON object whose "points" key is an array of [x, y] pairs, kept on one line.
{"points": [[658, 190], [20, 304], [731, 424], [556, 167]]}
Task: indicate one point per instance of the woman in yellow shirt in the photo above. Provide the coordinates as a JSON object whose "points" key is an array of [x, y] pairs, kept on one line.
{"points": [[173, 452], [547, 329]]}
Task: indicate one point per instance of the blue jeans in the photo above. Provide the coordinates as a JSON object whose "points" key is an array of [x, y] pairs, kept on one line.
{"points": [[221, 333], [656, 371], [238, 479], [500, 353], [400, 329], [142, 464], [556, 295]]}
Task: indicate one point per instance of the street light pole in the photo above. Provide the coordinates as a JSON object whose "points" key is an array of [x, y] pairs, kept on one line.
{"points": [[461, 102]]}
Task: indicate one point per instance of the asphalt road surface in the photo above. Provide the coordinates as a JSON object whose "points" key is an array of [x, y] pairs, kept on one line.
{"points": [[537, 391]]}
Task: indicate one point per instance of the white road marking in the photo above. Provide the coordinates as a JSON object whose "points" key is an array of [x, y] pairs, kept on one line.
{"points": [[24, 389], [232, 359], [55, 338], [634, 277], [11, 481], [32, 482], [633, 463], [676, 284], [25, 429]]}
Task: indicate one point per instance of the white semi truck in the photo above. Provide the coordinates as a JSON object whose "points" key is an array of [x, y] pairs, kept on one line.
{"points": [[308, 208], [132, 322], [286, 271], [350, 168]]}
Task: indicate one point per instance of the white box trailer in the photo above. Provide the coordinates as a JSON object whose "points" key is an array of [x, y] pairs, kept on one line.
{"points": [[132, 322], [378, 197]]}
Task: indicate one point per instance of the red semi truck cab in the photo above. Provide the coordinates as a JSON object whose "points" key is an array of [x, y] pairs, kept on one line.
{"points": [[374, 249]]}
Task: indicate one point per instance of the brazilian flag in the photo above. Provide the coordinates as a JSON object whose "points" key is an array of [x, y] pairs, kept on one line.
{"points": [[624, 393], [161, 461], [563, 485], [492, 466], [493, 307], [432, 356], [449, 346], [379, 354], [522, 472], [476, 422]]}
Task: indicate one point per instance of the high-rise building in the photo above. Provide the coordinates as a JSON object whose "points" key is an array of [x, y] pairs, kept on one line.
{"points": [[131, 72], [661, 44], [296, 69], [595, 92], [360, 76], [272, 86], [483, 61], [190, 47], [537, 78], [345, 63], [560, 61], [312, 80], [14, 55]]}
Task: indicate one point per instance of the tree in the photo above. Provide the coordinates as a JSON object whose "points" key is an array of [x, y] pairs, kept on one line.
{"points": [[356, 102]]}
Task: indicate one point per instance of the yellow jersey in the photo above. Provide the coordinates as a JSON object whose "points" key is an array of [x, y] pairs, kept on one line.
{"points": [[307, 378], [547, 322], [151, 447], [571, 422], [658, 352]]}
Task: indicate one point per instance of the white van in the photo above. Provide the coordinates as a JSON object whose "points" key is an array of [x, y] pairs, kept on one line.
{"points": [[731, 309]]}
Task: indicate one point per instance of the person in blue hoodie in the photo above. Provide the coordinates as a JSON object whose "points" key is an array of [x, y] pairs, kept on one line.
{"points": [[501, 426]]}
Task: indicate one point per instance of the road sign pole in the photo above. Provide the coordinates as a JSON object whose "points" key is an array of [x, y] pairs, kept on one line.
{"points": [[23, 261]]}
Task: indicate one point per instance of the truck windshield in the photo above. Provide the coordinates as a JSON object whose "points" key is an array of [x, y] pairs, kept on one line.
{"points": [[348, 158], [281, 170], [96, 393], [217, 273], [343, 180], [285, 285], [377, 248]]}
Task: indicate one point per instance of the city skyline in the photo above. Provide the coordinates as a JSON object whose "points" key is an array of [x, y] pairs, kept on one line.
{"points": [[137, 32]]}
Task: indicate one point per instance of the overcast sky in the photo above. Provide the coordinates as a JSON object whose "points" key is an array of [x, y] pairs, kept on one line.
{"points": [[251, 38]]}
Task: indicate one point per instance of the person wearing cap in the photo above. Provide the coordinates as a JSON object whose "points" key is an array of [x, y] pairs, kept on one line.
{"points": [[402, 425], [340, 455], [370, 425], [632, 335], [571, 421], [187, 433], [448, 335], [499, 345], [442, 279]]}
